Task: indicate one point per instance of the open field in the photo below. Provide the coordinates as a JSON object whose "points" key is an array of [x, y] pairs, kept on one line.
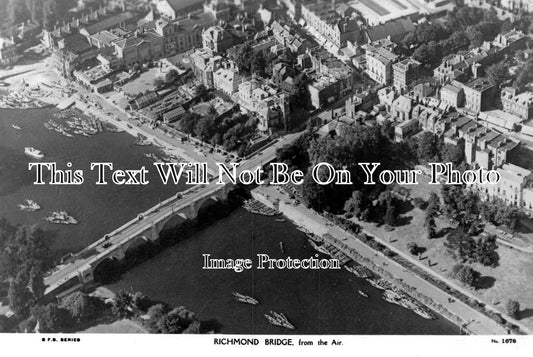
{"points": [[511, 279]]}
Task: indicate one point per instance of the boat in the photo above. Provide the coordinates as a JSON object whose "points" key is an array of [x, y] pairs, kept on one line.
{"points": [[362, 293], [61, 217], [245, 298], [32, 152], [280, 220], [15, 127], [281, 247], [257, 207], [278, 319], [29, 206]]}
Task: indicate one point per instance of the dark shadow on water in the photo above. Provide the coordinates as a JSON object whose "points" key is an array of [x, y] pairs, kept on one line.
{"points": [[111, 270], [212, 325]]}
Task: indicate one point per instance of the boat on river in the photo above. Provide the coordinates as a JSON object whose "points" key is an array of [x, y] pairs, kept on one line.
{"points": [[16, 127], [33, 152], [61, 217], [278, 319], [362, 293], [29, 206], [245, 298]]}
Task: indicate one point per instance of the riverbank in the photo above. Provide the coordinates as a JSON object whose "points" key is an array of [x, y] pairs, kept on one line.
{"points": [[444, 303]]}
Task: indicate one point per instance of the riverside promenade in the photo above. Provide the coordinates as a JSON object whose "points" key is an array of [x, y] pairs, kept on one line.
{"points": [[476, 322]]}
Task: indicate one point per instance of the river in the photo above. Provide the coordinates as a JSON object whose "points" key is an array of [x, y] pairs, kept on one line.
{"points": [[316, 302]]}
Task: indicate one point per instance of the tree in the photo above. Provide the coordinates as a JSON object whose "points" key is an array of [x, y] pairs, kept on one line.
{"points": [[467, 275], [158, 82], [461, 244], [391, 214], [412, 248], [122, 304], [428, 53], [427, 146], [513, 308], [176, 321], [141, 302], [258, 63], [51, 317], [19, 297], [430, 226], [36, 281], [358, 205], [498, 72], [313, 194], [485, 252], [172, 76], [188, 122], [475, 36], [80, 306], [202, 92]]}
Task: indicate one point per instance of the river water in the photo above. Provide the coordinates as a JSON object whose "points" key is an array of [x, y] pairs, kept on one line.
{"points": [[316, 302]]}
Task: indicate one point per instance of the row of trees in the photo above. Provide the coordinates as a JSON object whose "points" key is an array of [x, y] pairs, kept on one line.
{"points": [[469, 250], [161, 317], [76, 308], [24, 257], [466, 27], [43, 12], [233, 133]]}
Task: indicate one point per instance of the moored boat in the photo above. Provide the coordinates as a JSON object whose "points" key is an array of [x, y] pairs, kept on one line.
{"points": [[278, 319], [245, 298], [32, 152], [29, 206], [15, 127], [362, 293], [61, 217]]}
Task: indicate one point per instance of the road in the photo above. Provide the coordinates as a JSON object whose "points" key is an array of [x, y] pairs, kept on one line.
{"points": [[158, 213]]}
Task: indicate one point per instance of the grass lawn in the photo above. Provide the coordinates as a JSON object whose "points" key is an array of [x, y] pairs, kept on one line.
{"points": [[511, 279]]}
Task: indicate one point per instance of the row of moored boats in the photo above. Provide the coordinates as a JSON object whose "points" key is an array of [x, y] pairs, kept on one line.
{"points": [[391, 294]]}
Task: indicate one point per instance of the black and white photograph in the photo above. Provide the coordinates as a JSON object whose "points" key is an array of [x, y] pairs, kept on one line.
{"points": [[292, 173]]}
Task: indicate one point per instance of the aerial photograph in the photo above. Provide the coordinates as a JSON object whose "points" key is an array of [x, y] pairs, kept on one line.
{"points": [[266, 167]]}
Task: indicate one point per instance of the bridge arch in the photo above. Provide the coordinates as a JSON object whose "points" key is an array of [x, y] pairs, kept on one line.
{"points": [[107, 270]]}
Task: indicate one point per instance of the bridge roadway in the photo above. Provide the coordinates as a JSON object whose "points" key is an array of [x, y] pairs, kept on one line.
{"points": [[120, 237]]}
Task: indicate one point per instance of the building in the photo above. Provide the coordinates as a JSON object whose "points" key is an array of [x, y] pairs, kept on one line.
{"points": [[204, 66], [520, 105], [479, 94], [379, 61], [395, 30], [401, 108], [227, 78], [377, 12], [517, 5], [267, 103], [452, 95], [406, 129], [331, 22], [404, 72], [184, 34], [217, 39], [173, 9], [139, 48], [331, 79], [514, 179], [289, 38], [8, 51]]}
